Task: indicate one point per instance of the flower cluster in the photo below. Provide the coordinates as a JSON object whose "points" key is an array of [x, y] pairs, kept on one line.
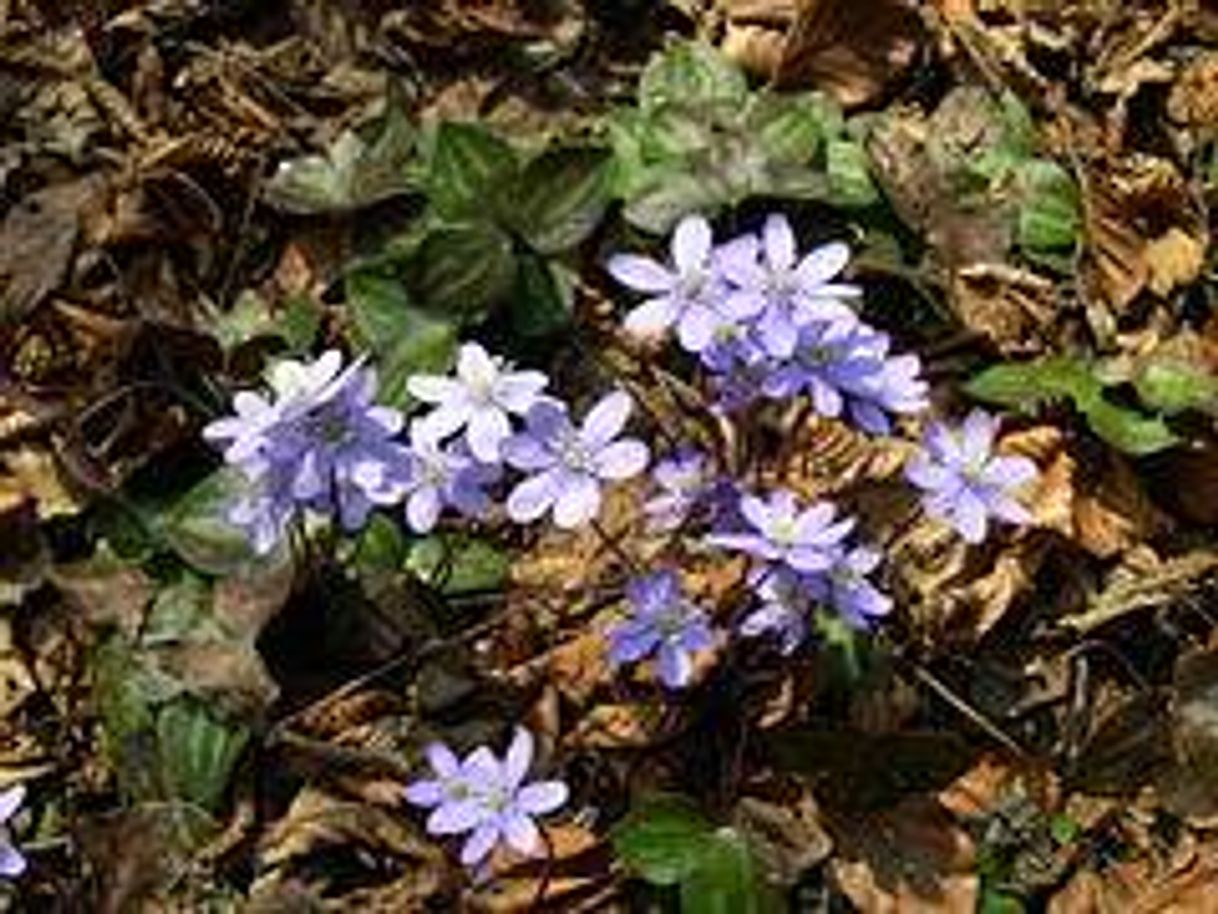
{"points": [[12, 863], [804, 563], [766, 322], [486, 797], [321, 443]]}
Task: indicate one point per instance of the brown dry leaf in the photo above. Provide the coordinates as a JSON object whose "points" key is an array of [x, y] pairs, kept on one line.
{"points": [[1193, 101], [1189, 788], [1137, 207], [579, 866], [316, 823], [1015, 309], [618, 726], [244, 602], [851, 50], [1174, 259], [1143, 581], [1144, 886], [36, 244], [1112, 512], [787, 836], [911, 859], [229, 672], [106, 591], [31, 472]]}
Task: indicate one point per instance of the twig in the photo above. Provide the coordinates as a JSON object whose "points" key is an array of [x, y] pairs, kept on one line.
{"points": [[936, 685]]}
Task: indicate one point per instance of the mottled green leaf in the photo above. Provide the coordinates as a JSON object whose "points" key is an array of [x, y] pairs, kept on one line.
{"points": [[197, 752], [727, 880], [672, 196], [455, 565], [464, 269], [470, 168], [543, 298], [850, 181], [1050, 216], [561, 197], [1127, 430], [792, 127], [691, 74], [196, 528], [1174, 386]]}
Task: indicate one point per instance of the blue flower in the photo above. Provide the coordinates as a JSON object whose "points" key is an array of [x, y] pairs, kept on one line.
{"points": [[683, 477], [12, 863], [434, 476], [487, 798], [787, 604], [964, 482], [664, 623], [480, 400], [845, 587], [805, 540], [568, 464], [321, 443], [786, 291]]}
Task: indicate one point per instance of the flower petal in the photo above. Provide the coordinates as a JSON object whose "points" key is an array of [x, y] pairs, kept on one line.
{"points": [[475, 367], [12, 863], [823, 263], [622, 459], [674, 666], [542, 797], [481, 842], [426, 793], [652, 317], [518, 758], [531, 498], [521, 833], [488, 428], [691, 244], [432, 388], [11, 800], [605, 420], [443, 760], [579, 500], [423, 509], [642, 274], [779, 242], [455, 817]]}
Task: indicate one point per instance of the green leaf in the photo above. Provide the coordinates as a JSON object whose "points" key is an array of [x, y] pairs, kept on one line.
{"points": [[849, 174], [197, 752], [469, 169], [561, 197], [1175, 386], [463, 269], [672, 196], [726, 880], [543, 298], [1027, 385], [664, 838], [792, 128], [458, 565], [196, 529], [691, 74], [406, 339], [351, 174], [380, 546], [1049, 213], [1128, 430]]}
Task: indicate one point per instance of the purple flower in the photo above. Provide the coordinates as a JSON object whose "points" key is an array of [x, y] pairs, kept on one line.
{"points": [[321, 443], [845, 367], [787, 603], [788, 292], [662, 622], [567, 463], [845, 587], [434, 477], [486, 797], [479, 400], [691, 295], [683, 478], [805, 540], [964, 483], [12, 863]]}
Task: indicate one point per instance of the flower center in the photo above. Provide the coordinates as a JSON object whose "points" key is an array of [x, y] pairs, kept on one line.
{"points": [[671, 622], [692, 284], [784, 531], [572, 453]]}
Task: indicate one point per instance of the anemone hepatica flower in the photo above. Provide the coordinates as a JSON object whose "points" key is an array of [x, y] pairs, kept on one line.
{"points": [[435, 476], [787, 604], [786, 291], [845, 587], [805, 540], [12, 863], [964, 482], [568, 464], [682, 477], [844, 366], [690, 295], [321, 443], [487, 798], [664, 623], [479, 399]]}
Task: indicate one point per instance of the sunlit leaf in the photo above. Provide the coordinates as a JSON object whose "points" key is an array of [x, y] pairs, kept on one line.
{"points": [[663, 839], [457, 565], [849, 177], [464, 269], [691, 74], [1175, 386], [1050, 217], [195, 526]]}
